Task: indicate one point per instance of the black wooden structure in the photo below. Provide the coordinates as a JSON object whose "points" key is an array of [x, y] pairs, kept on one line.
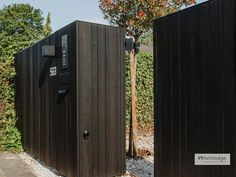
{"points": [[195, 91], [70, 102]]}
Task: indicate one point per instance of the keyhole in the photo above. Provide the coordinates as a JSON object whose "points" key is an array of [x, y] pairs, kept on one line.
{"points": [[86, 134]]}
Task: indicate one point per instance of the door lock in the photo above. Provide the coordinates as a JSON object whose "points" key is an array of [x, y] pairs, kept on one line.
{"points": [[86, 134]]}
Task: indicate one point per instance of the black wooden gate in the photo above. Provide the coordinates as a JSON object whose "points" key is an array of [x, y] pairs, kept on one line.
{"points": [[195, 100]]}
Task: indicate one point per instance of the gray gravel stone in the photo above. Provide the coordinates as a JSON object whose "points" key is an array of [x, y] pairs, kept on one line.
{"points": [[142, 167], [135, 167], [36, 167]]}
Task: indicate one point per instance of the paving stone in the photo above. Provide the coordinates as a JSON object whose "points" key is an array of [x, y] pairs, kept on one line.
{"points": [[12, 166]]}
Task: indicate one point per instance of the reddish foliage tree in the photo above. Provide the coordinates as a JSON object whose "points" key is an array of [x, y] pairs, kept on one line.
{"points": [[137, 15]]}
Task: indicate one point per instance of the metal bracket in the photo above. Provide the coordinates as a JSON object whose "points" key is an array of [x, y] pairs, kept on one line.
{"points": [[130, 45]]}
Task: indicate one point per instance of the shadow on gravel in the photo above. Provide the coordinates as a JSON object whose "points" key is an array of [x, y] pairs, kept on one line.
{"points": [[140, 167]]}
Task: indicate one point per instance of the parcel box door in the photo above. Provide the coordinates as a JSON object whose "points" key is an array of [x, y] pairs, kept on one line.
{"points": [[100, 101]]}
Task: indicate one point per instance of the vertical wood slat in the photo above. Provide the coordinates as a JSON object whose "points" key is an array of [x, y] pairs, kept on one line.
{"points": [[156, 94], [73, 121], [26, 98], [53, 116], [94, 81], [118, 75], [182, 94], [192, 77], [215, 96], [122, 117], [206, 83], [174, 60], [30, 102], [111, 100], [46, 111], [229, 77], [37, 103], [42, 109], [161, 94], [85, 101], [34, 79], [220, 32], [77, 108], [101, 101]]}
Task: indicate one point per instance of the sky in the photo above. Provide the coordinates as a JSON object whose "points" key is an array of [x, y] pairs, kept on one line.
{"points": [[64, 12]]}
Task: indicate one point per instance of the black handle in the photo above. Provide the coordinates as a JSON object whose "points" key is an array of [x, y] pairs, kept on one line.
{"points": [[61, 94], [86, 134]]}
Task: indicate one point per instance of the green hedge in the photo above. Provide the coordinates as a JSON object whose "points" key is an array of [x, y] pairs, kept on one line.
{"points": [[144, 89], [21, 25]]}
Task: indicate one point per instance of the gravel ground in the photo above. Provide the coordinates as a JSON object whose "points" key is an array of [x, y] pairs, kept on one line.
{"points": [[141, 167], [38, 168]]}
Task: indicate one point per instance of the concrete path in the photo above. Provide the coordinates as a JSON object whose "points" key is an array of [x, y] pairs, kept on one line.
{"points": [[12, 166]]}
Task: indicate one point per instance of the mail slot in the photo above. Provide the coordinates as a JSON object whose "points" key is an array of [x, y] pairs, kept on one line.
{"points": [[70, 100]]}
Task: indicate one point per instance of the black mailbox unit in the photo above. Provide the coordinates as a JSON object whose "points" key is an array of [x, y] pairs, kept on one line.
{"points": [[70, 100], [195, 91]]}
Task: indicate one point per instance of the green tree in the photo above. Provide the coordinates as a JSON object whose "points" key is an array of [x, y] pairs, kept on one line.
{"points": [[47, 27], [136, 16], [147, 38], [21, 25]]}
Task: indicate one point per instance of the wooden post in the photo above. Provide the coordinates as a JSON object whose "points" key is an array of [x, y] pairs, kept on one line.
{"points": [[133, 120]]}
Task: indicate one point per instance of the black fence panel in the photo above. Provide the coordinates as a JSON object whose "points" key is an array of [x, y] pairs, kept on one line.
{"points": [[71, 106], [195, 91]]}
